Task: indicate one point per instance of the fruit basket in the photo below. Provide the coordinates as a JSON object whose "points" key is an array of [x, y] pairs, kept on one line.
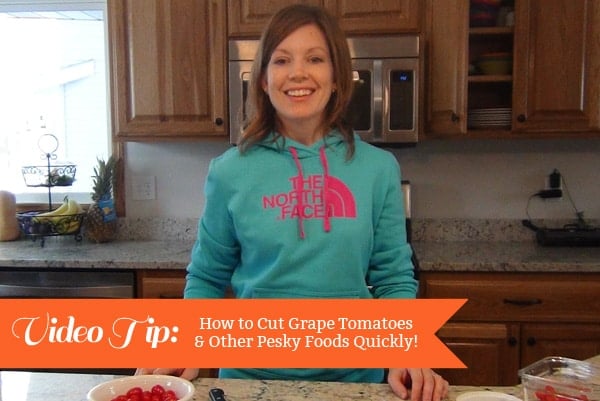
{"points": [[39, 224], [56, 175], [67, 219]]}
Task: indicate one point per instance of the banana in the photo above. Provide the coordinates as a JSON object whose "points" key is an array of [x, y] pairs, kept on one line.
{"points": [[56, 212], [74, 222], [72, 207], [63, 217]]}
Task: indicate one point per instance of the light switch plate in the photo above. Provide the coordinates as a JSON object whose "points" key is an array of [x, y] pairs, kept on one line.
{"points": [[143, 187]]}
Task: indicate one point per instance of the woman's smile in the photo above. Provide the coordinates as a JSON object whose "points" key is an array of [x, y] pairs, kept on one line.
{"points": [[299, 92]]}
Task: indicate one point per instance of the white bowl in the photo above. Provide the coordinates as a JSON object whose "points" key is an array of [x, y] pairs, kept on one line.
{"points": [[106, 391], [486, 396]]}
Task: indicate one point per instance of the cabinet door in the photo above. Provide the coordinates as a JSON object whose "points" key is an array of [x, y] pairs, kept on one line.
{"points": [[168, 68], [518, 297], [557, 60], [446, 30], [383, 16], [249, 17], [490, 352], [577, 341], [164, 284]]}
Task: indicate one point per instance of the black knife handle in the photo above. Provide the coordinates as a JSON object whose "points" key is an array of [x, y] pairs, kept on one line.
{"points": [[216, 394]]}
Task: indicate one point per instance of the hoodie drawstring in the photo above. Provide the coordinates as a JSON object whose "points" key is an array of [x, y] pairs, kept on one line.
{"points": [[323, 156], [299, 190]]}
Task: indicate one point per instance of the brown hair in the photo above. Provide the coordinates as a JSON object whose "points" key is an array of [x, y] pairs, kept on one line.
{"points": [[261, 115]]}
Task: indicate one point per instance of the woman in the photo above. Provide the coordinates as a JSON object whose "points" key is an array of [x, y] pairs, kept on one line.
{"points": [[303, 208]]}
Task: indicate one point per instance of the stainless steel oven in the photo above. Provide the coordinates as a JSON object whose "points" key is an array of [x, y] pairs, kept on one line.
{"points": [[385, 102], [66, 283]]}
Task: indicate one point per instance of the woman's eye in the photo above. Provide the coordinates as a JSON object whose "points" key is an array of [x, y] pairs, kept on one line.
{"points": [[279, 61], [316, 59]]}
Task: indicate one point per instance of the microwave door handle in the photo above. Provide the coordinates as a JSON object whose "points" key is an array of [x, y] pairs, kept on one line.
{"points": [[385, 119], [378, 99]]}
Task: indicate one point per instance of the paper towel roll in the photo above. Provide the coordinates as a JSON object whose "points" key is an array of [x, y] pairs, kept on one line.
{"points": [[9, 226]]}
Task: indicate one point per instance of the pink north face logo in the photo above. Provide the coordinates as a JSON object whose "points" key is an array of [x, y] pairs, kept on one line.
{"points": [[310, 198]]}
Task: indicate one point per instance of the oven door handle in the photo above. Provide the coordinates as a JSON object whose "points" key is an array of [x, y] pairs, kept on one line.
{"points": [[100, 291]]}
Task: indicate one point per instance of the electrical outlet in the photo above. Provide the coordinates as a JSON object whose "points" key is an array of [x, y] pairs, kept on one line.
{"points": [[143, 187]]}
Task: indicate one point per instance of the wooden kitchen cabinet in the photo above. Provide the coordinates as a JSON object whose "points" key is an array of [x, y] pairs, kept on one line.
{"points": [[577, 341], [164, 284], [557, 57], [554, 87], [247, 18], [488, 350], [446, 27], [167, 68], [513, 319]]}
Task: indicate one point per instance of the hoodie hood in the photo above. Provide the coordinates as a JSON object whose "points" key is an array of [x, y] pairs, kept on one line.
{"points": [[334, 141]]}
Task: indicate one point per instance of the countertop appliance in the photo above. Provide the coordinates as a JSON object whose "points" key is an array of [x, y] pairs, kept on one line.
{"points": [[406, 194], [385, 103]]}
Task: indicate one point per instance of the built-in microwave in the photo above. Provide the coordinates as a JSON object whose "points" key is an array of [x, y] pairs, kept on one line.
{"points": [[386, 75]]}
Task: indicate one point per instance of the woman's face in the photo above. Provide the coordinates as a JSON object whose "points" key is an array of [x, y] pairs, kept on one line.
{"points": [[299, 78]]}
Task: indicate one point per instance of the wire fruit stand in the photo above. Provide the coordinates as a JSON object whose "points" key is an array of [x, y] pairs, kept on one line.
{"points": [[68, 218]]}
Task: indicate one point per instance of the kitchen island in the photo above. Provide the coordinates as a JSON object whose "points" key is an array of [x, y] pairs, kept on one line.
{"points": [[26, 386]]}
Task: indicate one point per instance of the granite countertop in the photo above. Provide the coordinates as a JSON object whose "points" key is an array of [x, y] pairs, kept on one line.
{"points": [[26, 386], [65, 252], [481, 256], [505, 256]]}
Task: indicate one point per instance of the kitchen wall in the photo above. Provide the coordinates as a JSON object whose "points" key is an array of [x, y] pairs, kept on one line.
{"points": [[487, 179]]}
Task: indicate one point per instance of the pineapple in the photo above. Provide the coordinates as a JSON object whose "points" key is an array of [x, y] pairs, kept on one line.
{"points": [[101, 219]]}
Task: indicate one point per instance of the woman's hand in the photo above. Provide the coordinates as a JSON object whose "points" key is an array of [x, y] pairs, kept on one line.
{"points": [[184, 373], [421, 384]]}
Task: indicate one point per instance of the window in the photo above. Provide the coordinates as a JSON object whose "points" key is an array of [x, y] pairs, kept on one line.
{"points": [[53, 80]]}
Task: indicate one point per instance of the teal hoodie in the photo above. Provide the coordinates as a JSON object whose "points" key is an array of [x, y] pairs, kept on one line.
{"points": [[285, 220]]}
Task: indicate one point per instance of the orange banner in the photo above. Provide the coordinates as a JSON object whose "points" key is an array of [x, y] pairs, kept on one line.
{"points": [[129, 333]]}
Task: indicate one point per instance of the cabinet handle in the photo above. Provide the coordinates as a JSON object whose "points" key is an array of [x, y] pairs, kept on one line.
{"points": [[454, 117], [531, 341], [521, 118], [170, 296], [512, 341], [219, 121], [523, 302]]}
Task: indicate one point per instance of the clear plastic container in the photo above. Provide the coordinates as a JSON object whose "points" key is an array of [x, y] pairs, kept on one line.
{"points": [[560, 379]]}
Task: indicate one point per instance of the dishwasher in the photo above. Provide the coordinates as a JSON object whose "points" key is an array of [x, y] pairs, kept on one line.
{"points": [[68, 283]]}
